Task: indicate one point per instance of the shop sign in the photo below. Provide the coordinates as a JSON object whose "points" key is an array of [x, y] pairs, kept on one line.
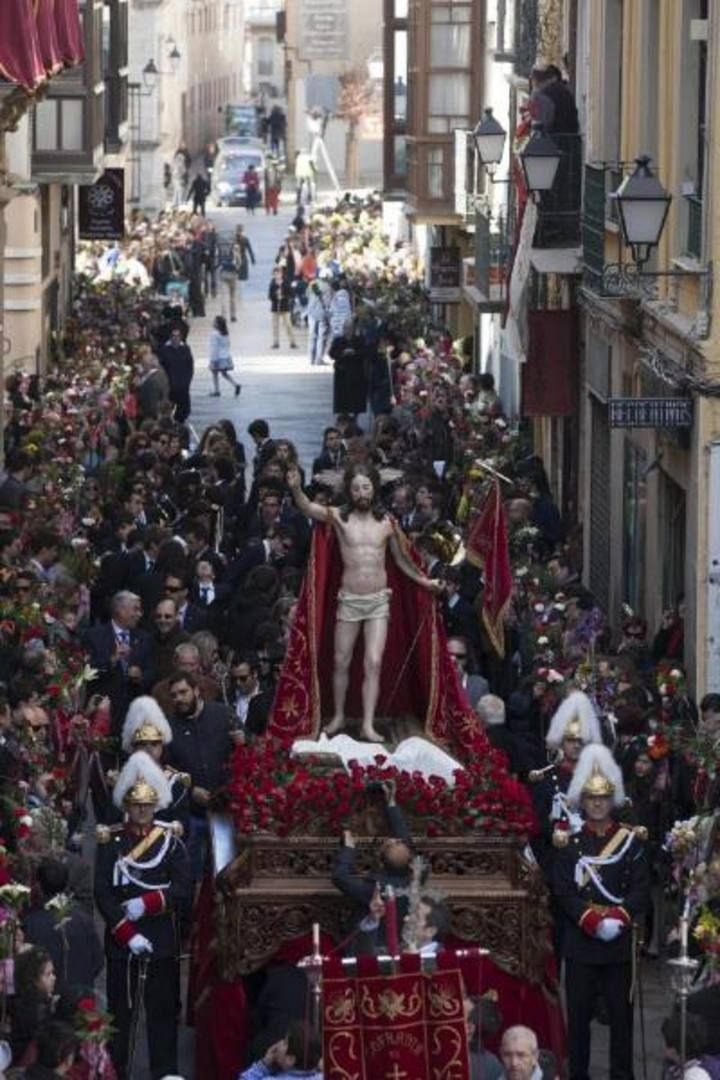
{"points": [[324, 29], [656, 412], [445, 275], [101, 207]]}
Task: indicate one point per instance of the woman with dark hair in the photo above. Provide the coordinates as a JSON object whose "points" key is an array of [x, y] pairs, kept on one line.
{"points": [[34, 1000], [221, 361]]}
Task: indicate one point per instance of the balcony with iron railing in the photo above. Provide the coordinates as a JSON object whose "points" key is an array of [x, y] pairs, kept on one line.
{"points": [[560, 209]]}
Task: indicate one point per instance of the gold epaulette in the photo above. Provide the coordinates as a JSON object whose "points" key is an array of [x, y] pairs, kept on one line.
{"points": [[640, 832]]}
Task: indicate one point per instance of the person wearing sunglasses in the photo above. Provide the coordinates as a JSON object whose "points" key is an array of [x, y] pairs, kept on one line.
{"points": [[475, 686]]}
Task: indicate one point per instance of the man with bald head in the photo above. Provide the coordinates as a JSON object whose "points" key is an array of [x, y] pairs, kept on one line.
{"points": [[519, 1054]]}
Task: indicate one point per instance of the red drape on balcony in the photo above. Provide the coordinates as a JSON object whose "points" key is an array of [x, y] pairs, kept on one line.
{"points": [[21, 58], [69, 30], [47, 36], [549, 378]]}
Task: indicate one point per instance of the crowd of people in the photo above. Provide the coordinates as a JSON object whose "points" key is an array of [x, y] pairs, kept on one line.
{"points": [[148, 589]]}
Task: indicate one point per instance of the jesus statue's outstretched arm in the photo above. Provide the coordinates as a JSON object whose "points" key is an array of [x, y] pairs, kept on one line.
{"points": [[410, 570], [310, 509]]}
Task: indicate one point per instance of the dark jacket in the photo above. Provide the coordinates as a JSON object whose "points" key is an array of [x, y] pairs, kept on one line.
{"points": [[177, 360], [279, 296], [361, 889], [173, 871], [151, 393], [202, 747], [163, 651], [628, 879], [75, 949], [350, 387]]}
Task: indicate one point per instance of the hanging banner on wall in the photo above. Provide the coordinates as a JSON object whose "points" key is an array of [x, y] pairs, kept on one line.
{"points": [[445, 275], [324, 30], [101, 207]]}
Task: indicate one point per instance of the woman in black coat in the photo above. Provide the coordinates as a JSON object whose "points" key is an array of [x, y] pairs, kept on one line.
{"points": [[350, 383]]}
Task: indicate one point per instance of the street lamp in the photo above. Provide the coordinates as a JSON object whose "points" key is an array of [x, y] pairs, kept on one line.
{"points": [[174, 56], [643, 206], [489, 137], [150, 74], [540, 161]]}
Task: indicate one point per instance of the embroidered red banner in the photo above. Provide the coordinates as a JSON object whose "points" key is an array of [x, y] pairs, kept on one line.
{"points": [[408, 1026], [487, 548]]}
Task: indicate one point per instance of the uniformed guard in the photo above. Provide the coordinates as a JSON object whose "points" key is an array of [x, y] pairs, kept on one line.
{"points": [[146, 728], [142, 874], [574, 725], [602, 884]]}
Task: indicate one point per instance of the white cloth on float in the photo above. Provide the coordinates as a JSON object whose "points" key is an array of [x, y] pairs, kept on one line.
{"points": [[412, 755]]}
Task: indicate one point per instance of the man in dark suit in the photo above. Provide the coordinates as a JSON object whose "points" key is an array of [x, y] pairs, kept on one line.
{"points": [[201, 745], [277, 549], [461, 619], [474, 686], [191, 617], [177, 360], [13, 490], [333, 452], [259, 432], [121, 654]]}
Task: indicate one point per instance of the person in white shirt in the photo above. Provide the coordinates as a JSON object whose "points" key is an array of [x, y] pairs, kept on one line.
{"points": [[221, 359]]}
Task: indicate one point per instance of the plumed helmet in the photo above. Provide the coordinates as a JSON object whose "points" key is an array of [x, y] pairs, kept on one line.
{"points": [[596, 773], [141, 780], [575, 718], [145, 722]]}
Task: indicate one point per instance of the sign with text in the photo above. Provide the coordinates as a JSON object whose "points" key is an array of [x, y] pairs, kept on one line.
{"points": [[324, 30], [445, 275], [650, 412], [101, 207]]}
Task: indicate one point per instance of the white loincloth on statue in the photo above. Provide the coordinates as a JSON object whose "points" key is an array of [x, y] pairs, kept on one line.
{"points": [[361, 607], [412, 755]]}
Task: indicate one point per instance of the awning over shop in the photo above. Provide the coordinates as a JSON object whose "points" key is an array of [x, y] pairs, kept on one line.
{"points": [[549, 377], [37, 39]]}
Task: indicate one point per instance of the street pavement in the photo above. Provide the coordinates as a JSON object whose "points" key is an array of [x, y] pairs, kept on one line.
{"points": [[296, 399], [278, 385]]}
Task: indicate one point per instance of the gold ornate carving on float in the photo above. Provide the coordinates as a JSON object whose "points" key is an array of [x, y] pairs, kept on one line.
{"points": [[276, 888]]}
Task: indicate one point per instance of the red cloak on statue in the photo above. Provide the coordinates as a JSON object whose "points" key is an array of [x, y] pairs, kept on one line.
{"points": [[417, 679]]}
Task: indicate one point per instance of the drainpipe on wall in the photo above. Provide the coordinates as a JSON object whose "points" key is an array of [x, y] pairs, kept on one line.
{"points": [[712, 637]]}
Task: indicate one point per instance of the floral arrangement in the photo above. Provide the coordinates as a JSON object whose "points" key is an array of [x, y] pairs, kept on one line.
{"points": [[270, 793], [91, 1022]]}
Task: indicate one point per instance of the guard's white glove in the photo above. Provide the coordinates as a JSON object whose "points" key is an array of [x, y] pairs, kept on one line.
{"points": [[139, 944], [135, 908], [609, 929]]}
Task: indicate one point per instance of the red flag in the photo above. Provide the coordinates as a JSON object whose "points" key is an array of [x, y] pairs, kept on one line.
{"points": [[487, 548], [21, 59]]}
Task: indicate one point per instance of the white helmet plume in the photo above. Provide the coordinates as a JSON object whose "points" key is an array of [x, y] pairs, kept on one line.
{"points": [[597, 772], [141, 772], [144, 711], [576, 710]]}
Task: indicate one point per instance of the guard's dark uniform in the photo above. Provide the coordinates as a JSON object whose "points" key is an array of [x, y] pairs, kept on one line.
{"points": [[621, 890], [548, 791], [151, 864]]}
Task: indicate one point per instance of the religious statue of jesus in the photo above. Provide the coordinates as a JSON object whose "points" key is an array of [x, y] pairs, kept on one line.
{"points": [[363, 531]]}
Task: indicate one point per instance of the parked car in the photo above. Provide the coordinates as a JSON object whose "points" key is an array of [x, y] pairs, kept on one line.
{"points": [[228, 187]]}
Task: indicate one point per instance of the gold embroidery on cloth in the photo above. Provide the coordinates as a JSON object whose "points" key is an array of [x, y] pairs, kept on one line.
{"points": [[341, 1009], [390, 1005]]}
